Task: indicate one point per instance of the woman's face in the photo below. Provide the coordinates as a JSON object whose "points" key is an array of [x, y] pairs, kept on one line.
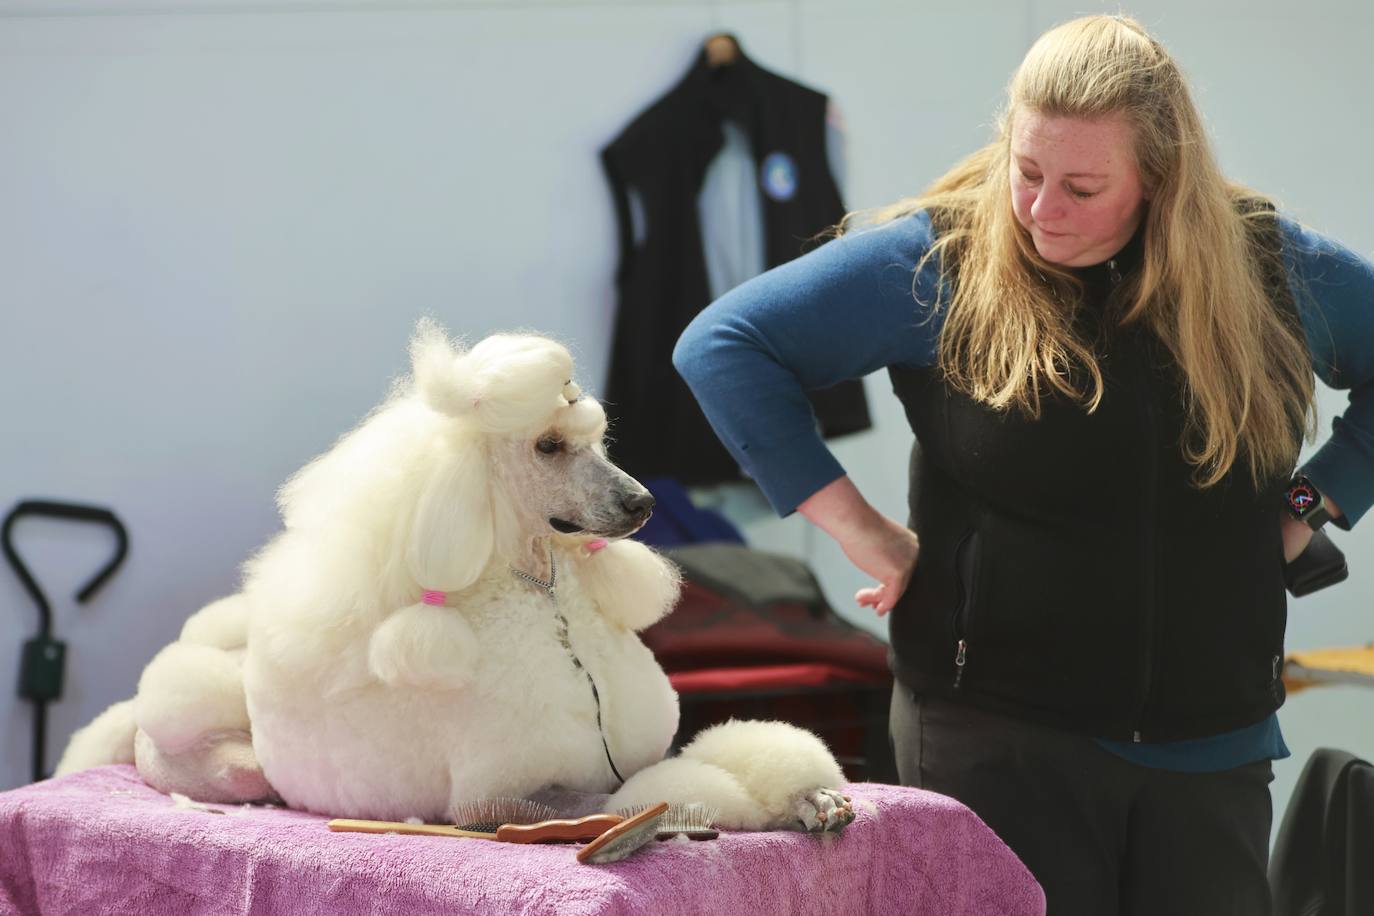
{"points": [[1074, 185]]}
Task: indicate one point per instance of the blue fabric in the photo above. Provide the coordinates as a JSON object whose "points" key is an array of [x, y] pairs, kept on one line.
{"points": [[856, 305], [1261, 741]]}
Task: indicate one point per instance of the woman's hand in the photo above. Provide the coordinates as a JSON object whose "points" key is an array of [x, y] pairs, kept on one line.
{"points": [[1296, 534], [887, 552], [873, 542]]}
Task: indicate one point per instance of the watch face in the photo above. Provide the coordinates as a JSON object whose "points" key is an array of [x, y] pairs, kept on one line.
{"points": [[1302, 497]]}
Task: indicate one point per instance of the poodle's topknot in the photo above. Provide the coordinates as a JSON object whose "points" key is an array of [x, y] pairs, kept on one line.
{"points": [[506, 383]]}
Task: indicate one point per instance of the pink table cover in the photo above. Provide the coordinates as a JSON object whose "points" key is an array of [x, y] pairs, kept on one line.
{"points": [[101, 841]]}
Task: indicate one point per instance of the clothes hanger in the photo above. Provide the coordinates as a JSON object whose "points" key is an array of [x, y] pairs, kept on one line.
{"points": [[722, 49]]}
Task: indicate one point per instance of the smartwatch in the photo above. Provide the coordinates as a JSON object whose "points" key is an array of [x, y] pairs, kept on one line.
{"points": [[1305, 503]]}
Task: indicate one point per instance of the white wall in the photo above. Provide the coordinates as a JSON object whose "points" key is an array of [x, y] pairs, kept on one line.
{"points": [[219, 221]]}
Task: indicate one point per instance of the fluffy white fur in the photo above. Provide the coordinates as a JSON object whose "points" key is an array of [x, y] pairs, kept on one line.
{"points": [[329, 682], [108, 738]]}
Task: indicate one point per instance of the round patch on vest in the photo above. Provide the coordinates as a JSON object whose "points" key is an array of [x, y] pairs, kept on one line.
{"points": [[778, 174]]}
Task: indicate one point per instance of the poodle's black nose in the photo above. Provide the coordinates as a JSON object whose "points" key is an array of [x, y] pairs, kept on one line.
{"points": [[638, 505]]}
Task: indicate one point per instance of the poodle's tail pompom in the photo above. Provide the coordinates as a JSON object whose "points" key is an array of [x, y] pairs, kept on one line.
{"points": [[631, 584], [506, 383]]}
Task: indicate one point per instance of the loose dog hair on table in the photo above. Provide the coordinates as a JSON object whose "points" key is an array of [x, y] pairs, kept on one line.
{"points": [[448, 615]]}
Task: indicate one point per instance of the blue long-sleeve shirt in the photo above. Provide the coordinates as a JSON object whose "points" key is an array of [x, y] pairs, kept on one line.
{"points": [[857, 304]]}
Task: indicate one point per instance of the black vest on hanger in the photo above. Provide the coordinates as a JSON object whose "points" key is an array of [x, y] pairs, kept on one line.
{"points": [[656, 169], [1070, 573]]}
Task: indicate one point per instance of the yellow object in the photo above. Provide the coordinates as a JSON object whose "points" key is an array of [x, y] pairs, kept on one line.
{"points": [[1341, 665]]}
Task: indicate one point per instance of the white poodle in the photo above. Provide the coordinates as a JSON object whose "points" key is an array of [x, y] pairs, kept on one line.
{"points": [[448, 616]]}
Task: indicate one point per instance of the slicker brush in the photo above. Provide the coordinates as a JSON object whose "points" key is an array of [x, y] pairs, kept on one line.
{"points": [[624, 838]]}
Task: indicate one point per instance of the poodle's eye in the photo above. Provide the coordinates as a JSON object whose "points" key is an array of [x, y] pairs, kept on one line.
{"points": [[549, 445]]}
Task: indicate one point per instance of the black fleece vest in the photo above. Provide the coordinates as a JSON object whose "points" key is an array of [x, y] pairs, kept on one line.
{"points": [[659, 162], [1070, 572]]}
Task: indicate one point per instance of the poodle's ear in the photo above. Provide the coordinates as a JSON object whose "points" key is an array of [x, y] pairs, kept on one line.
{"points": [[452, 533], [631, 584]]}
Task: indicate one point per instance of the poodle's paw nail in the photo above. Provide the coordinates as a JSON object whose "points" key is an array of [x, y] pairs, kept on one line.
{"points": [[823, 811]]}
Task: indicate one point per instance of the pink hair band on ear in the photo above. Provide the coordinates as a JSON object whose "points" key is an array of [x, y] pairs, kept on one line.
{"points": [[594, 546], [434, 599]]}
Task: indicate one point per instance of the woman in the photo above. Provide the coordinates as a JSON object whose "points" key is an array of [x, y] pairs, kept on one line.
{"points": [[1106, 353]]}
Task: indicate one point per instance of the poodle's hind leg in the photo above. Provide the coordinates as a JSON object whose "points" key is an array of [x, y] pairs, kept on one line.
{"points": [[221, 768], [681, 781], [787, 770], [193, 731]]}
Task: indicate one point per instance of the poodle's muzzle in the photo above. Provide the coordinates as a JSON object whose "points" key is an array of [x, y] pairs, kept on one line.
{"points": [[624, 505]]}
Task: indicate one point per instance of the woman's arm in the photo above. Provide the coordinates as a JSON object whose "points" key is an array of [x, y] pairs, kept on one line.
{"points": [[1334, 289], [846, 309], [840, 312]]}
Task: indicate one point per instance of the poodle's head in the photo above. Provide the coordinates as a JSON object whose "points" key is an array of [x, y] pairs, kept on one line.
{"points": [[519, 454]]}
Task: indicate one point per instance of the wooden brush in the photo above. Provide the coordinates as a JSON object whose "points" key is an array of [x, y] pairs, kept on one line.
{"points": [[506, 820]]}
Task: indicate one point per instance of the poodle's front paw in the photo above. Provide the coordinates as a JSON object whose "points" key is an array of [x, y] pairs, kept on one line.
{"points": [[823, 811]]}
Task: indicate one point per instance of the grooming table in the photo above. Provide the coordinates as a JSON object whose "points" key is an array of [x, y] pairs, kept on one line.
{"points": [[101, 841]]}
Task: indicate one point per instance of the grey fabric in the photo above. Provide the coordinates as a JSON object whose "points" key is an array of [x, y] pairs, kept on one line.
{"points": [[749, 576], [571, 803], [731, 212]]}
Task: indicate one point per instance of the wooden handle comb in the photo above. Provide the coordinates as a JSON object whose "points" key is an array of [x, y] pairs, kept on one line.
{"points": [[349, 825], [561, 831], [555, 831]]}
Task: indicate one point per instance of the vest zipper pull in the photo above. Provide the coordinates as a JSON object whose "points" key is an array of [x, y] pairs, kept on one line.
{"points": [[960, 658], [1114, 273], [1135, 736]]}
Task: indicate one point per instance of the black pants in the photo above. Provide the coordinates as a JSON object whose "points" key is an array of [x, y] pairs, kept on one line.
{"points": [[1103, 836]]}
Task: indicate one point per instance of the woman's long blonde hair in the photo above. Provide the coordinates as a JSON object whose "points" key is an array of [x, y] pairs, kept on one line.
{"points": [[1202, 287]]}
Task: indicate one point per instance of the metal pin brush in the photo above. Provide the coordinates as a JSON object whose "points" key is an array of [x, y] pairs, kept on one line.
{"points": [[694, 821], [519, 820]]}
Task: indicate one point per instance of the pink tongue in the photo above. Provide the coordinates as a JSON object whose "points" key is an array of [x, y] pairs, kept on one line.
{"points": [[594, 546]]}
